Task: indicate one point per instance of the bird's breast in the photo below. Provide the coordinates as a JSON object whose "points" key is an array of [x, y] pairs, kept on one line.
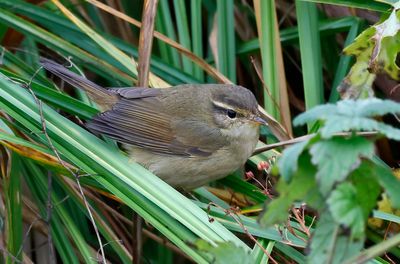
{"points": [[243, 141]]}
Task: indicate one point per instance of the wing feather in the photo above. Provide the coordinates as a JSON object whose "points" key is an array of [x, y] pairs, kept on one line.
{"points": [[139, 118]]}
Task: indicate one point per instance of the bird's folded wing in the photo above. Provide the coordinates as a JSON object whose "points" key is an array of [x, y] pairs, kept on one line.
{"points": [[139, 119]]}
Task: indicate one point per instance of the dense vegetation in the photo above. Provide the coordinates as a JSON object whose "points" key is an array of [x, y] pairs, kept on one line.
{"points": [[328, 67]]}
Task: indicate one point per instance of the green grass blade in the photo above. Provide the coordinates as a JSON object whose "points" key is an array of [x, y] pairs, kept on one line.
{"points": [[258, 254], [183, 32], [275, 93], [226, 39], [251, 225], [369, 5], [310, 48], [12, 195], [291, 252], [197, 36], [57, 99], [165, 25]]}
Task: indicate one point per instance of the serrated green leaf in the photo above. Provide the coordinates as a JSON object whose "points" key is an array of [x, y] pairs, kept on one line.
{"points": [[338, 124], [390, 183], [352, 115], [302, 187], [345, 210], [329, 244], [320, 112], [365, 181], [337, 157], [288, 162], [225, 253], [349, 108]]}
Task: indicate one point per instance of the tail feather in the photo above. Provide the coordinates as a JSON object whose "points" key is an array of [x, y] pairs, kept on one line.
{"points": [[104, 98]]}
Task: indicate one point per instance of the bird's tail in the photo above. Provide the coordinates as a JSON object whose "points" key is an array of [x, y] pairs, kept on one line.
{"points": [[98, 94]]}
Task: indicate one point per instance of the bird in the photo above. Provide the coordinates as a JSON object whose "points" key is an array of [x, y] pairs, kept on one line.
{"points": [[188, 135]]}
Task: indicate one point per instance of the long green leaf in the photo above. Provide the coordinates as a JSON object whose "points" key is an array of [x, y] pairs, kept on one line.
{"points": [[310, 48], [226, 39], [13, 228], [267, 33], [197, 35], [165, 25], [183, 32], [370, 5]]}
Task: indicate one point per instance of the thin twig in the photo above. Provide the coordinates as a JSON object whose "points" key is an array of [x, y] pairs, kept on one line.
{"points": [[384, 238], [27, 233], [265, 86], [301, 222], [6, 252], [306, 137]]}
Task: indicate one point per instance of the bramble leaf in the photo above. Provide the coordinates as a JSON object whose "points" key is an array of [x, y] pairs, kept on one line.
{"points": [[365, 180], [348, 108], [351, 203], [319, 112], [288, 163], [351, 115], [329, 244], [390, 183], [337, 157], [345, 210]]}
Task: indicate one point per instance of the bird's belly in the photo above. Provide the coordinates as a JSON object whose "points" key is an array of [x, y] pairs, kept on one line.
{"points": [[193, 172], [188, 172]]}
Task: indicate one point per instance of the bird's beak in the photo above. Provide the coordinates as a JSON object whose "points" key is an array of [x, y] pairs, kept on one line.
{"points": [[260, 121]]}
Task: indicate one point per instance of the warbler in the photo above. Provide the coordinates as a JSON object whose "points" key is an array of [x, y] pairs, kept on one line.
{"points": [[188, 135]]}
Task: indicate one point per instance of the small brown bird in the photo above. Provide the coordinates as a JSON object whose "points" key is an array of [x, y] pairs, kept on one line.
{"points": [[188, 135]]}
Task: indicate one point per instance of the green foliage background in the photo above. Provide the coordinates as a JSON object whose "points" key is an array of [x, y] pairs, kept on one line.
{"points": [[290, 45]]}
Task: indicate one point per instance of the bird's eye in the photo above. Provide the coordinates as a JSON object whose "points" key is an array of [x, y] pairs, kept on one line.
{"points": [[231, 113]]}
